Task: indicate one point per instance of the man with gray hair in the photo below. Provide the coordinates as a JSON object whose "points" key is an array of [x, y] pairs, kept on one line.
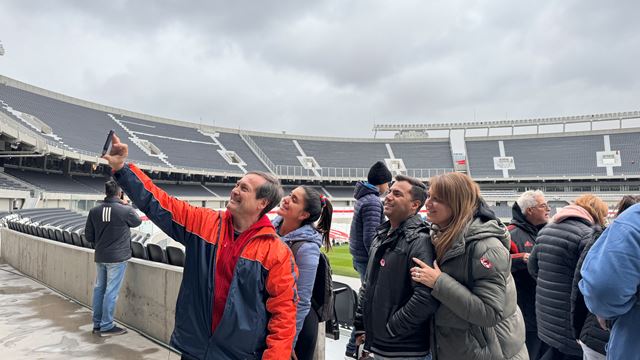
{"points": [[530, 214], [238, 294]]}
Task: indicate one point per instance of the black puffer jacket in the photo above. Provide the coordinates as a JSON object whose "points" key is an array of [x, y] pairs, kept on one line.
{"points": [[553, 263], [393, 310], [585, 324], [523, 238]]}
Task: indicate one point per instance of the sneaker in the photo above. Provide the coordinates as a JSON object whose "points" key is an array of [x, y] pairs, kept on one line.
{"points": [[95, 330], [113, 331]]}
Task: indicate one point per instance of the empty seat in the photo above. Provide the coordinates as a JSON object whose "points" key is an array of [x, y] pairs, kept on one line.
{"points": [[156, 253], [40, 231], [346, 302], [175, 256], [139, 251], [75, 240], [51, 233], [86, 242], [66, 236], [58, 234]]}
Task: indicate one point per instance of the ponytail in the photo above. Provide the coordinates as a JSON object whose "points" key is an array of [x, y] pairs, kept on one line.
{"points": [[320, 209]]}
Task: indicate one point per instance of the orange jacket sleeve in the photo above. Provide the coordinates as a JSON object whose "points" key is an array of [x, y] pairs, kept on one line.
{"points": [[281, 304]]}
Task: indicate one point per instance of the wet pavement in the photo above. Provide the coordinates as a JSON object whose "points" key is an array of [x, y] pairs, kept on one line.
{"points": [[38, 323]]}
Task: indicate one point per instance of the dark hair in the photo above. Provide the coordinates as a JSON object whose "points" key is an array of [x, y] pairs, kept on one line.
{"points": [[418, 189], [270, 190], [626, 202], [319, 209], [111, 188]]}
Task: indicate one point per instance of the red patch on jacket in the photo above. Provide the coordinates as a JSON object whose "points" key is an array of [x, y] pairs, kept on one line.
{"points": [[528, 244], [486, 263], [382, 262]]}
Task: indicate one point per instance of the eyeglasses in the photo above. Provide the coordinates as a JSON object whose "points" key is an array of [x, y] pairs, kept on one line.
{"points": [[543, 206]]}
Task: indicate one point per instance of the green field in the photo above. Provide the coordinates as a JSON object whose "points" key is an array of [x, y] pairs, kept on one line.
{"points": [[341, 262]]}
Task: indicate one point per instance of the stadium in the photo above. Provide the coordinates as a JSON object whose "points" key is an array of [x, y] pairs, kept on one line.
{"points": [[52, 174]]}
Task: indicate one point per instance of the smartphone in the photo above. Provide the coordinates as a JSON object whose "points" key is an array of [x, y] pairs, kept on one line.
{"points": [[106, 149]]}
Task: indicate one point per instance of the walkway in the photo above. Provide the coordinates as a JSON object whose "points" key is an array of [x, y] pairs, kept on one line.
{"points": [[38, 323]]}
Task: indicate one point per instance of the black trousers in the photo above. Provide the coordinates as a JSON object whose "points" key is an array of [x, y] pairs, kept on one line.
{"points": [[555, 354], [306, 344], [536, 347]]}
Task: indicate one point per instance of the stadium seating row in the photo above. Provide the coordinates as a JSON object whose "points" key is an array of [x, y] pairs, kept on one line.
{"points": [[67, 227]]}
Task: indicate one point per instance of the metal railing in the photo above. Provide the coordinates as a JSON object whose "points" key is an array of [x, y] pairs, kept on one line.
{"points": [[256, 150], [350, 173]]}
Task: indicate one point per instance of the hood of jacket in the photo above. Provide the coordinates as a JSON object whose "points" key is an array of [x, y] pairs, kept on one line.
{"points": [[486, 224], [520, 220], [573, 211], [303, 233], [363, 188]]}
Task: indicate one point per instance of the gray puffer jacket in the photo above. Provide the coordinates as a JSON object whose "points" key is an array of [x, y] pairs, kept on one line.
{"points": [[479, 317]]}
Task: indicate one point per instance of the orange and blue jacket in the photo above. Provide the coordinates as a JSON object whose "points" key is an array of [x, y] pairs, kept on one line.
{"points": [[259, 320]]}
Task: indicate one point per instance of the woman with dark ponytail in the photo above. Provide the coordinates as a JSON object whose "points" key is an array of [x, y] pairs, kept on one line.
{"points": [[303, 223]]}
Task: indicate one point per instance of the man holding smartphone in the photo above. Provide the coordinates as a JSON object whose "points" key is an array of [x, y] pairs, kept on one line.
{"points": [[238, 294], [108, 227]]}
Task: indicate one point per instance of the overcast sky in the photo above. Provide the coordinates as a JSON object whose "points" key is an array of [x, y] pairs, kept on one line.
{"points": [[330, 67]]}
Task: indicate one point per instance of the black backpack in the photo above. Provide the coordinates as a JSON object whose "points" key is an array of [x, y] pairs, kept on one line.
{"points": [[322, 294]]}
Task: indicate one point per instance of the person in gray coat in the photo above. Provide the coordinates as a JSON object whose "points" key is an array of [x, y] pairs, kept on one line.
{"points": [[108, 228], [478, 317]]}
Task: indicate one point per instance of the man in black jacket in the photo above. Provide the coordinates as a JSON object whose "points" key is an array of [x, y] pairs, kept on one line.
{"points": [[530, 214], [393, 311], [108, 227]]}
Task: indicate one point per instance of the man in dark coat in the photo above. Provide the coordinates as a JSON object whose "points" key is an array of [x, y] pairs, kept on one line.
{"points": [[393, 311], [108, 227], [530, 214]]}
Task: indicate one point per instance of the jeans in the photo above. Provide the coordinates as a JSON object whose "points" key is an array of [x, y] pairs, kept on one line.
{"points": [[109, 278], [361, 268]]}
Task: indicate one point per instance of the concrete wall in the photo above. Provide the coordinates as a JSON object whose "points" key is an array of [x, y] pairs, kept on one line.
{"points": [[148, 295]]}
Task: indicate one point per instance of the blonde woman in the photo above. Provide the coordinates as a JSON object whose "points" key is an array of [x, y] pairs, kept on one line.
{"points": [[478, 317]]}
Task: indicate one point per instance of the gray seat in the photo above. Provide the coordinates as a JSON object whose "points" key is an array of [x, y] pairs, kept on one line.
{"points": [[86, 242], [346, 302], [175, 256], [156, 253], [139, 251]]}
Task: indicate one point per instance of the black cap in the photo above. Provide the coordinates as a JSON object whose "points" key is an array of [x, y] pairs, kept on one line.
{"points": [[379, 174]]}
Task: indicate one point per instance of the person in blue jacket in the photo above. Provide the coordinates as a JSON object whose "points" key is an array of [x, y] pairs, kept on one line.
{"points": [[367, 216], [611, 282], [297, 214]]}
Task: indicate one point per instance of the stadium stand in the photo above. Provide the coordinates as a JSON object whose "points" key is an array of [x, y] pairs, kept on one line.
{"points": [[480, 156], [189, 190], [191, 154], [52, 182], [629, 146], [279, 150], [73, 127], [235, 143], [8, 182], [332, 153], [340, 191], [563, 156], [423, 155]]}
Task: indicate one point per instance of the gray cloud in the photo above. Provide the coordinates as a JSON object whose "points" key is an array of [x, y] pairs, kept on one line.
{"points": [[330, 67]]}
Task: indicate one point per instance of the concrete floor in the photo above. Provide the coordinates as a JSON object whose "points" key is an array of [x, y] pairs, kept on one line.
{"points": [[37, 323]]}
